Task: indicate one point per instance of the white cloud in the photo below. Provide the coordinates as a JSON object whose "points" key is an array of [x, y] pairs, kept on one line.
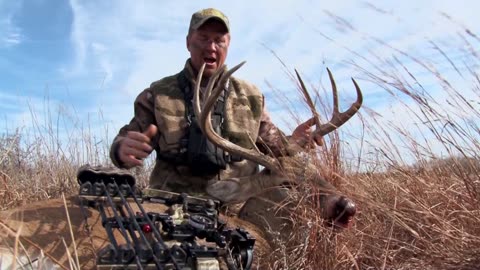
{"points": [[134, 43], [138, 32], [10, 33], [14, 37]]}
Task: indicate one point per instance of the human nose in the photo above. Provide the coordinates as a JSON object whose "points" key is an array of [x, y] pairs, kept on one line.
{"points": [[210, 45]]}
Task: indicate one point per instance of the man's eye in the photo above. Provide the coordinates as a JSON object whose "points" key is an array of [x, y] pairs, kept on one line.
{"points": [[220, 41]]}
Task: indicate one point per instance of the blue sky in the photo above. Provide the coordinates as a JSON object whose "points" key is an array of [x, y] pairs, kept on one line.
{"points": [[87, 60]]}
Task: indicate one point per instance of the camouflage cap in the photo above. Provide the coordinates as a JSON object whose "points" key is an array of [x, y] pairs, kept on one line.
{"points": [[201, 16]]}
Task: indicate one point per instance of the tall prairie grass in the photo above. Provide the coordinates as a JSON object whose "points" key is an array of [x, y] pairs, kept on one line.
{"points": [[41, 162], [412, 168]]}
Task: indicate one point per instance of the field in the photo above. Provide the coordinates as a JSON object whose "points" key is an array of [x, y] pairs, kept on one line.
{"points": [[416, 181]]}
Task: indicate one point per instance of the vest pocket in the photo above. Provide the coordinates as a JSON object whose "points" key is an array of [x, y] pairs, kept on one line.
{"points": [[172, 130], [170, 115]]}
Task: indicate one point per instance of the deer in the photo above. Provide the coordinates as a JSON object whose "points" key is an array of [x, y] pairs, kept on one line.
{"points": [[288, 170], [64, 234]]}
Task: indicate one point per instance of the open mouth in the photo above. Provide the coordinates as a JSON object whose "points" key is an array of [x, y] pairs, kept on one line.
{"points": [[344, 213], [343, 222], [340, 223], [209, 61]]}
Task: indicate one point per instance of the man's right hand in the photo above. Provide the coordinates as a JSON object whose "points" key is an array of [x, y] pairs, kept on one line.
{"points": [[136, 146], [302, 135]]}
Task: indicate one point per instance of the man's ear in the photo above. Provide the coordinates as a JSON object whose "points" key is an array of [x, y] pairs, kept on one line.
{"points": [[188, 42]]}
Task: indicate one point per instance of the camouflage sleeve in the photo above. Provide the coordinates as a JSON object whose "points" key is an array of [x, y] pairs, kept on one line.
{"points": [[143, 116], [271, 140]]}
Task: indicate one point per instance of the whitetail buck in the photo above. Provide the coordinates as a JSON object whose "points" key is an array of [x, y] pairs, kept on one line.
{"points": [[43, 226], [288, 170]]}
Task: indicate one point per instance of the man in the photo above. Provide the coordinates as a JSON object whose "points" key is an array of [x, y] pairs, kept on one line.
{"points": [[164, 121]]}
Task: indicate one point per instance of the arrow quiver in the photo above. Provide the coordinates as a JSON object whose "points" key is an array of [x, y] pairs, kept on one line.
{"points": [[188, 235]]}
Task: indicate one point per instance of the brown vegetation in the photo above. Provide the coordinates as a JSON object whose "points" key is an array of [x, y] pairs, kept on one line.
{"points": [[416, 182]]}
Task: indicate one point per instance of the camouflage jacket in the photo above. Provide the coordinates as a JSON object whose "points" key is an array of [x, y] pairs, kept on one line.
{"points": [[163, 105]]}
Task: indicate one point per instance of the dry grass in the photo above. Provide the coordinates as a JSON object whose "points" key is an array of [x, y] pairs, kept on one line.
{"points": [[415, 175], [43, 167], [418, 209], [28, 173]]}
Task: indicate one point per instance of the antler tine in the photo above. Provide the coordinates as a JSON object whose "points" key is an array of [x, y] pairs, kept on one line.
{"points": [[196, 92], [338, 118], [210, 84], [308, 99], [212, 98], [205, 123]]}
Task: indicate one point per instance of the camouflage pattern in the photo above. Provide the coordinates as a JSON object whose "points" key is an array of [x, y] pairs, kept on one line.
{"points": [[200, 17], [207, 264], [163, 105]]}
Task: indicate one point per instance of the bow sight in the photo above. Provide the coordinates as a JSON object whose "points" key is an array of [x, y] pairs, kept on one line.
{"points": [[188, 235]]}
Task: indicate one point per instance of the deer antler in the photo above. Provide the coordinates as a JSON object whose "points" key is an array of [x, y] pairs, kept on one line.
{"points": [[338, 118], [211, 95], [204, 119]]}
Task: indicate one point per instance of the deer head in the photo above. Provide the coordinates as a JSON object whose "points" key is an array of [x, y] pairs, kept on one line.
{"points": [[287, 169]]}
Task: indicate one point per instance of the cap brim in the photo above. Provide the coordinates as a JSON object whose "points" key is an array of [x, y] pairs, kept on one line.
{"points": [[204, 20]]}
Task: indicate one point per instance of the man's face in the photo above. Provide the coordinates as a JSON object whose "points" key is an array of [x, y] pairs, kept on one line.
{"points": [[208, 44]]}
